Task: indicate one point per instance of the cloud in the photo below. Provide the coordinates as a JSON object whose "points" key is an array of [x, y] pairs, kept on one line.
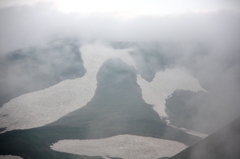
{"points": [[216, 28], [26, 25], [139, 7]]}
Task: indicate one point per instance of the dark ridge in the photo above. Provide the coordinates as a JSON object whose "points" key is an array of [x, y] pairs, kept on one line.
{"points": [[198, 111], [152, 57], [114, 157], [184, 109], [223, 144], [2, 129], [116, 108], [35, 68]]}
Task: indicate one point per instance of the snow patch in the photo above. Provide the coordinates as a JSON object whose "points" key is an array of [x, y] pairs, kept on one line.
{"points": [[188, 131], [195, 133], [122, 146], [167, 122], [45, 106], [163, 85]]}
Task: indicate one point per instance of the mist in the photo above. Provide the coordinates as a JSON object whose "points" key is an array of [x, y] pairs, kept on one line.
{"points": [[206, 43], [25, 25]]}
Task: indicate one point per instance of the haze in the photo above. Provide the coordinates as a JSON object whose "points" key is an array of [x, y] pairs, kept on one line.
{"points": [[200, 37]]}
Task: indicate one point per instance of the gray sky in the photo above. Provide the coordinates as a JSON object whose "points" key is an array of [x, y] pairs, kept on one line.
{"points": [[135, 6], [24, 23]]}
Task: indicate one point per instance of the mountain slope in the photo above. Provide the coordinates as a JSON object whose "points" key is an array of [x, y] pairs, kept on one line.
{"points": [[223, 144], [116, 108], [185, 109], [50, 104], [30, 69]]}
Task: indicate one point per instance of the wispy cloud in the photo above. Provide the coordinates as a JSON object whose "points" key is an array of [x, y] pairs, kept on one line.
{"points": [[215, 24]]}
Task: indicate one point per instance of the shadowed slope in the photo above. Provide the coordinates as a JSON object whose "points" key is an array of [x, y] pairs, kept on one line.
{"points": [[35, 68], [223, 144], [116, 108]]}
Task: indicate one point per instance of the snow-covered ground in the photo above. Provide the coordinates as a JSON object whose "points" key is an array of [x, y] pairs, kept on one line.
{"points": [[122, 146], [45, 106], [164, 84], [10, 157], [195, 133], [202, 135]]}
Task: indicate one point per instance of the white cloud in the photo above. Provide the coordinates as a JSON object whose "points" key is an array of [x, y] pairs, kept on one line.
{"points": [[136, 7], [25, 25], [215, 23]]}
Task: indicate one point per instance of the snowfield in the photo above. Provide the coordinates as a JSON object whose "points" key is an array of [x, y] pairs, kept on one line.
{"points": [[122, 146], [10, 157], [45, 106], [164, 84]]}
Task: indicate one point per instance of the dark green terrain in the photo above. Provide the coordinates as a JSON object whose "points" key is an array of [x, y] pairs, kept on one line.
{"points": [[191, 110], [116, 108], [223, 144], [34, 68]]}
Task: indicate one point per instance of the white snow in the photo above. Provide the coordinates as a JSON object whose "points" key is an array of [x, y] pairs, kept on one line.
{"points": [[45, 106], [202, 135], [168, 122], [164, 84], [9, 157], [188, 131], [122, 146]]}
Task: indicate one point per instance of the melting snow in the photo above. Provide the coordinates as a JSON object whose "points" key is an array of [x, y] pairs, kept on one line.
{"points": [[202, 135], [195, 133], [164, 84], [45, 106], [122, 146]]}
